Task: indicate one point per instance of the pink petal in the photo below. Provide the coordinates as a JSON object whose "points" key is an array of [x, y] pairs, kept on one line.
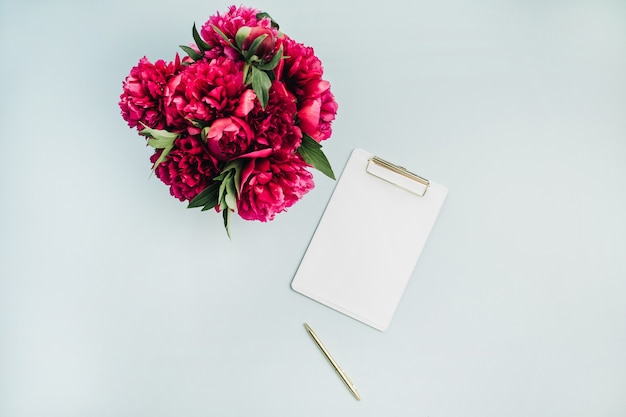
{"points": [[246, 103], [309, 116]]}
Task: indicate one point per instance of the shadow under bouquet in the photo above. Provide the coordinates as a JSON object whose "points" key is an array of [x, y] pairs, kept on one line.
{"points": [[236, 124]]}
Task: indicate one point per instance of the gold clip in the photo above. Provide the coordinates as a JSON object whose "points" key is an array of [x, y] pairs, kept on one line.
{"points": [[400, 181]]}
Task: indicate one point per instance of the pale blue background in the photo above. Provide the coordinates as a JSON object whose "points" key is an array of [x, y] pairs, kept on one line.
{"points": [[115, 300]]}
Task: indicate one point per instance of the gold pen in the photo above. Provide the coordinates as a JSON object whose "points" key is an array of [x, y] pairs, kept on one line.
{"points": [[344, 377]]}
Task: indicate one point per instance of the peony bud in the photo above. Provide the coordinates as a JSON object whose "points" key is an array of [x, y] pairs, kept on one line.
{"points": [[263, 48]]}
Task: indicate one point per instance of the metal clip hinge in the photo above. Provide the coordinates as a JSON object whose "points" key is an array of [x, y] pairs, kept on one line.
{"points": [[402, 178]]}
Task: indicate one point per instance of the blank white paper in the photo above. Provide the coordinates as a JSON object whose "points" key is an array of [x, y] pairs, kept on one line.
{"points": [[366, 245]]}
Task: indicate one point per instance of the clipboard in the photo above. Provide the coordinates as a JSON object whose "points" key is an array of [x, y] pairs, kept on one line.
{"points": [[369, 239]]}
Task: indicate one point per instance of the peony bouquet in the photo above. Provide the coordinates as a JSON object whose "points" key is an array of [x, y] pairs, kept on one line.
{"points": [[237, 122]]}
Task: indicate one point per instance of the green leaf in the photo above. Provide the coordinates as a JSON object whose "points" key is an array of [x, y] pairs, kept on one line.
{"points": [[231, 193], [226, 215], [221, 176], [254, 46], [158, 133], [311, 152], [228, 192], [162, 157], [270, 65], [222, 190], [202, 45], [246, 78], [193, 54], [231, 201], [205, 132], [206, 197], [200, 124], [219, 32], [159, 139], [261, 85], [241, 35], [235, 168], [262, 15], [160, 143], [237, 178]]}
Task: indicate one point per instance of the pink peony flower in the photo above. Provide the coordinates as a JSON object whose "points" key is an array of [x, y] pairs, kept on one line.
{"points": [[300, 67], [317, 113], [188, 168], [212, 120], [228, 138], [271, 185], [205, 91], [229, 23], [302, 72], [143, 91], [265, 50], [275, 126], [328, 112]]}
